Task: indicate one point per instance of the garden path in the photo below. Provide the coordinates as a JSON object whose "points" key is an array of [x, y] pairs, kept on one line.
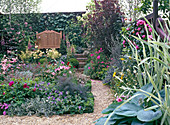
{"points": [[103, 98]]}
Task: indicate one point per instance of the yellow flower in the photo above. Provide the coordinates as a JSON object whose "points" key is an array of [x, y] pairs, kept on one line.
{"points": [[114, 74], [122, 59], [122, 76], [130, 57]]}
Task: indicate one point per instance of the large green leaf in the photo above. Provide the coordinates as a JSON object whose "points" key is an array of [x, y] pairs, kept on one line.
{"points": [[128, 110], [147, 88], [102, 120], [111, 107], [137, 122], [148, 116]]}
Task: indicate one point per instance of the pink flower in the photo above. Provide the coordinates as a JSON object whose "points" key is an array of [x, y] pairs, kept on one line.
{"points": [[143, 36], [118, 99], [91, 61], [25, 23], [14, 59], [137, 47], [123, 96], [147, 25], [111, 58], [3, 93], [28, 87], [150, 29], [107, 66], [100, 48], [53, 73], [137, 33], [128, 29], [139, 29], [91, 55], [64, 74], [18, 33], [25, 85], [34, 90], [140, 22], [150, 36], [124, 46], [124, 41], [62, 62], [89, 67], [102, 62], [11, 83], [98, 57], [4, 113]]}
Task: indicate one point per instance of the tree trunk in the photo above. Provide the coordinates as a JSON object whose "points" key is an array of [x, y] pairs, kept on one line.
{"points": [[155, 11]]}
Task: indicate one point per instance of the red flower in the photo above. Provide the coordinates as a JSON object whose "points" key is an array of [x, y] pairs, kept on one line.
{"points": [[28, 87], [25, 85], [34, 90], [11, 83], [68, 63], [74, 66], [13, 97]]}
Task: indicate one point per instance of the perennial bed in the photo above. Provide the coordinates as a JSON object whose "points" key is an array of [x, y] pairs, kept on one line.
{"points": [[43, 89]]}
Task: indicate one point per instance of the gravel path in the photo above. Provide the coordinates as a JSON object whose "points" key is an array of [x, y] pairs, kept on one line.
{"points": [[103, 98]]}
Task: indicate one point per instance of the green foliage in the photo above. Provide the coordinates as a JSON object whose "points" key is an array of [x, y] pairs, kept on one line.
{"points": [[19, 6], [74, 31], [26, 95], [146, 6], [66, 84], [98, 64], [122, 76], [153, 98], [133, 110], [74, 62]]}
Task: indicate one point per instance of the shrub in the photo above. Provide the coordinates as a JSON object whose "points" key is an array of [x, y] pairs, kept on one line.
{"points": [[98, 64], [104, 24], [74, 62]]}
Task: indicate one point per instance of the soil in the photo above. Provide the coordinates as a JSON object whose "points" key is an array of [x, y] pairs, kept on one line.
{"points": [[103, 98]]}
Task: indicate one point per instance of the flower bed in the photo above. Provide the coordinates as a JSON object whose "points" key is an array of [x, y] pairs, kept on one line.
{"points": [[42, 89]]}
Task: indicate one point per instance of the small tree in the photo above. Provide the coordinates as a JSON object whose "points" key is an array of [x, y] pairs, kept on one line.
{"points": [[104, 23]]}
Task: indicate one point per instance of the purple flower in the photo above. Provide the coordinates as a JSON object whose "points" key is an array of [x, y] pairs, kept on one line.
{"points": [[61, 93], [4, 113], [55, 91], [49, 97], [79, 107], [58, 99], [54, 98], [45, 93]]}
